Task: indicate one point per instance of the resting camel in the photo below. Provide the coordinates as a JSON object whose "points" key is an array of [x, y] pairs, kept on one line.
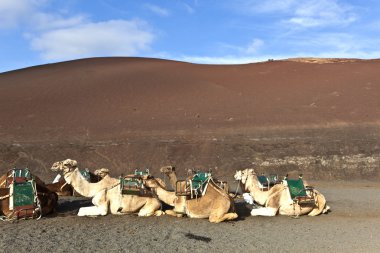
{"points": [[105, 194], [215, 204], [62, 188], [277, 199], [48, 199]]}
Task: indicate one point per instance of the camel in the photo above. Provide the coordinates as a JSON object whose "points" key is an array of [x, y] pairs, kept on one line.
{"points": [[215, 204], [62, 188], [277, 199], [106, 195], [47, 199]]}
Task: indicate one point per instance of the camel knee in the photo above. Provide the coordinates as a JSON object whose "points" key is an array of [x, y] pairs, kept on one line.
{"points": [[173, 213], [145, 213], [227, 216], [231, 216], [159, 213]]}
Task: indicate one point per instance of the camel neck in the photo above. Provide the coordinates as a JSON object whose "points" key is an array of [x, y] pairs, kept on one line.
{"points": [[173, 179], [166, 196], [83, 187], [252, 186]]}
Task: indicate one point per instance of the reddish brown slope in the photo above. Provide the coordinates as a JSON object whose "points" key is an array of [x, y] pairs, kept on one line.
{"points": [[120, 113], [118, 95]]}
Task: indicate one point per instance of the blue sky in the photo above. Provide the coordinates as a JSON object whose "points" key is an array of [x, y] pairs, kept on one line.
{"points": [[34, 32]]}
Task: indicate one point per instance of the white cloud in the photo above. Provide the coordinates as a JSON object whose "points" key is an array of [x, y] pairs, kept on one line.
{"points": [[110, 38], [259, 6], [12, 12], [322, 13], [302, 13], [252, 48], [45, 21], [188, 8], [57, 36], [157, 10]]}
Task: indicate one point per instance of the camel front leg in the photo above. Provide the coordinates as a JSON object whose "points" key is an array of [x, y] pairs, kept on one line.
{"points": [[227, 216], [100, 206], [173, 213], [149, 208]]}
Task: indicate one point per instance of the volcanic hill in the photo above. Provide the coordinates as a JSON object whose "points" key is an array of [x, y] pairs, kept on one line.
{"points": [[317, 116]]}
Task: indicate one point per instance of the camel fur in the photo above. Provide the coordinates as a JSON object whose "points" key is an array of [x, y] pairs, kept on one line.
{"points": [[62, 188], [105, 194], [215, 204], [277, 199]]}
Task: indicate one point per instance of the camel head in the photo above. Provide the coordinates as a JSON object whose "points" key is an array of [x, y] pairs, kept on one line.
{"points": [[64, 166], [167, 169], [242, 175], [151, 182], [101, 172]]}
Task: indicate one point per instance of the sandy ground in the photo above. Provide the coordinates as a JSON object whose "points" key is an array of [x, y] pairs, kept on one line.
{"points": [[352, 226]]}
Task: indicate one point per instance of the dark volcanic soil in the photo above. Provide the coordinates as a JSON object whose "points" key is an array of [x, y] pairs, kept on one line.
{"points": [[352, 226], [319, 119]]}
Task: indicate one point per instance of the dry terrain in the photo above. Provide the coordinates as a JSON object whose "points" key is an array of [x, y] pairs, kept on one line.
{"points": [[319, 117], [352, 226]]}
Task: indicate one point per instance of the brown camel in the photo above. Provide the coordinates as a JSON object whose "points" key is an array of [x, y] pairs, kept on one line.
{"points": [[215, 204], [106, 194], [277, 199]]}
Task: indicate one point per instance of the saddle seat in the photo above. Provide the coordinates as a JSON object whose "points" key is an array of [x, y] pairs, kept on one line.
{"points": [[132, 184], [299, 193], [23, 200]]}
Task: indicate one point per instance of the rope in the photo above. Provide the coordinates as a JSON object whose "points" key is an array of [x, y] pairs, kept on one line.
{"points": [[3, 183], [4, 197], [37, 200], [63, 186]]}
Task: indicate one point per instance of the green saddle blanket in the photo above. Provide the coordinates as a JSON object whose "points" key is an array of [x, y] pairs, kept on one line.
{"points": [[200, 179], [296, 188], [24, 194], [23, 191]]}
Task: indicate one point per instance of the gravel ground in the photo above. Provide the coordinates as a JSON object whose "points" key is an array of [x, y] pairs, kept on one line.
{"points": [[352, 226]]}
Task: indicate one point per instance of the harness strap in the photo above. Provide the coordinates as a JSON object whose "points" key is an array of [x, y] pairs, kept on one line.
{"points": [[4, 197]]}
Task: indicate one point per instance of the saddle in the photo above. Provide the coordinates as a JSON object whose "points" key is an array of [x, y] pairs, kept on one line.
{"points": [[86, 174], [299, 193], [23, 198], [132, 184], [267, 182], [197, 185]]}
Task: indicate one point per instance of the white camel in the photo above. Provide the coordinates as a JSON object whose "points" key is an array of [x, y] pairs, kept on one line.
{"points": [[278, 199], [106, 195]]}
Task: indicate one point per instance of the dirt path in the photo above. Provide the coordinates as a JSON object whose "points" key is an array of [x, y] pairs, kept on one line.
{"points": [[352, 226]]}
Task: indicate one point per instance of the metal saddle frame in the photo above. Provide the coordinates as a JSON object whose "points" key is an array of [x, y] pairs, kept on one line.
{"points": [[197, 185], [267, 182], [132, 184]]}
